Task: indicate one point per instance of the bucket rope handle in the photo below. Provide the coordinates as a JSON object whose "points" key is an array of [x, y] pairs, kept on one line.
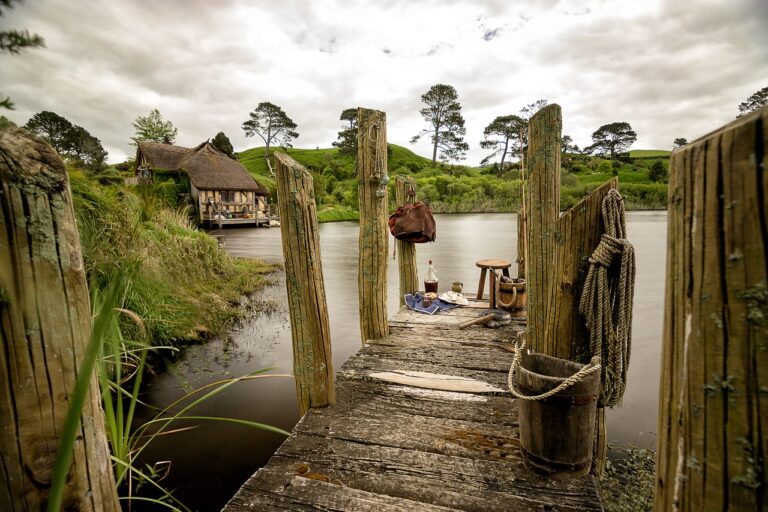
{"points": [[570, 381], [498, 294]]}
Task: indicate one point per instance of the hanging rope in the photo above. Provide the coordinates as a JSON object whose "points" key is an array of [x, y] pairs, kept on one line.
{"points": [[606, 302]]}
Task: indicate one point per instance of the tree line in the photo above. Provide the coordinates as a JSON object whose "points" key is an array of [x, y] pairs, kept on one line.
{"points": [[505, 137]]}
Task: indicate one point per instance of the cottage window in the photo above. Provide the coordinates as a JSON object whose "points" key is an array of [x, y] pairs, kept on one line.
{"points": [[228, 196]]}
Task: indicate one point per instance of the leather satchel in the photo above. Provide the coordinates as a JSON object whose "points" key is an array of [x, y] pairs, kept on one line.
{"points": [[413, 223]]}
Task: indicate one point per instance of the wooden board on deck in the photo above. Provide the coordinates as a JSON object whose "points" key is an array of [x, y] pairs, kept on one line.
{"points": [[423, 422]]}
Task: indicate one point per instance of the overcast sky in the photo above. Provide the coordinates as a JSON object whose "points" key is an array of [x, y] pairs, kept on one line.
{"points": [[670, 68]]}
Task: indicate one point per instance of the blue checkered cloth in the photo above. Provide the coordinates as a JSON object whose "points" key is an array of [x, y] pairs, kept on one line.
{"points": [[413, 301]]}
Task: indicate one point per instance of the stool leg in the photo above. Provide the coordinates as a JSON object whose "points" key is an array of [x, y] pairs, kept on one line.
{"points": [[505, 271], [492, 301], [481, 288]]}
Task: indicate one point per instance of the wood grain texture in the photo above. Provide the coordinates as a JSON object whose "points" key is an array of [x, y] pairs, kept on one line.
{"points": [[406, 251], [310, 331], [393, 446], [713, 403], [576, 235], [45, 324], [543, 196], [374, 231]]}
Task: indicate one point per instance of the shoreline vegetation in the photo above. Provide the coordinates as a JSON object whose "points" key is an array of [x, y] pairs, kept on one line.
{"points": [[462, 189], [182, 284]]}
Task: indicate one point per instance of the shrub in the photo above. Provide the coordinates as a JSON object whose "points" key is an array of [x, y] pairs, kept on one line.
{"points": [[658, 172], [604, 167]]}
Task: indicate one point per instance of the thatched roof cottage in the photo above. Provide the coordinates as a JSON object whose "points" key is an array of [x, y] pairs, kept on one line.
{"points": [[220, 187]]}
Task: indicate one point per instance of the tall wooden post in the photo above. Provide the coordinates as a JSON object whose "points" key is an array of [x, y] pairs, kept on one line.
{"points": [[45, 325], [543, 211], [374, 234], [405, 193], [713, 402], [310, 331], [577, 234], [522, 216]]}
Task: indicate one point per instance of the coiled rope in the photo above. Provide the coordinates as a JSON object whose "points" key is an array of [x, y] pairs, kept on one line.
{"points": [[606, 302], [577, 377]]}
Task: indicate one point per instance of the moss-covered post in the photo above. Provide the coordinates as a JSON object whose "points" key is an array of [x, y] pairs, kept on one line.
{"points": [[522, 216], [713, 403], [45, 325], [374, 234], [543, 211], [405, 193], [310, 331]]}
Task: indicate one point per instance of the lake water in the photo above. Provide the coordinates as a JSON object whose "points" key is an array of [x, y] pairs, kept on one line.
{"points": [[211, 461]]}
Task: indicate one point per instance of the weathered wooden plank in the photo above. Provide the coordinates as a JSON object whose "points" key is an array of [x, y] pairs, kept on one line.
{"points": [[435, 381], [268, 490], [374, 233], [422, 402], [362, 366], [470, 337], [310, 328], [486, 357], [393, 427], [463, 483]]}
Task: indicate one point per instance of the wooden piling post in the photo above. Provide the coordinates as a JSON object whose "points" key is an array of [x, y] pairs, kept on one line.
{"points": [[713, 403], [45, 325], [577, 233], [522, 216], [310, 331], [374, 233], [405, 193], [543, 210]]}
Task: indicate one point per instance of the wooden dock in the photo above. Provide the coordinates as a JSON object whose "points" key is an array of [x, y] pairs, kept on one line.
{"points": [[423, 422]]}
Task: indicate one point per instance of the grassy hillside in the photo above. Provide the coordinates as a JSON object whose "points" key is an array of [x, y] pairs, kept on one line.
{"points": [[457, 188], [649, 153], [176, 278]]}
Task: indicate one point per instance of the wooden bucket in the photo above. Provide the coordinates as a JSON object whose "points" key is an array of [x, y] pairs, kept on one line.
{"points": [[511, 296], [556, 433]]}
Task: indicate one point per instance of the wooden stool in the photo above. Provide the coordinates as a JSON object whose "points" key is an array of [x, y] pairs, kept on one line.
{"points": [[493, 265]]}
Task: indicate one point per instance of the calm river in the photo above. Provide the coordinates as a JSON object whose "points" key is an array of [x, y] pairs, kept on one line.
{"points": [[210, 462]]}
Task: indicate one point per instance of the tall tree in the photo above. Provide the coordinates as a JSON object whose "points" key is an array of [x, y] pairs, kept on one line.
{"points": [[69, 140], [680, 142], [347, 138], [13, 41], [269, 122], [52, 127], [154, 128], [446, 124], [86, 148], [567, 145], [222, 143], [503, 136], [754, 102], [612, 138]]}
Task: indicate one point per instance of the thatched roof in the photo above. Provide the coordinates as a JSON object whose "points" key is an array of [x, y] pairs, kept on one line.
{"points": [[207, 167]]}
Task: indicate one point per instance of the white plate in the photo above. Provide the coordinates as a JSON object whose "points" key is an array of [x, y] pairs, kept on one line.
{"points": [[454, 298]]}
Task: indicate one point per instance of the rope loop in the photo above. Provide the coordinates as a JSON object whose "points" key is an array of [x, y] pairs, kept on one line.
{"points": [[577, 377]]}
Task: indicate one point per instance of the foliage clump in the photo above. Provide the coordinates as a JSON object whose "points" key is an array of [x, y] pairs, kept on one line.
{"points": [[184, 286], [628, 482]]}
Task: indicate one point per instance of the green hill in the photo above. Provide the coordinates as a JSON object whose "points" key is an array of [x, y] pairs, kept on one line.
{"points": [[649, 153], [458, 188]]}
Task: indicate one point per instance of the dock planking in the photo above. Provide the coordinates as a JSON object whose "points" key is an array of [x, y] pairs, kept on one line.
{"points": [[422, 422]]}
